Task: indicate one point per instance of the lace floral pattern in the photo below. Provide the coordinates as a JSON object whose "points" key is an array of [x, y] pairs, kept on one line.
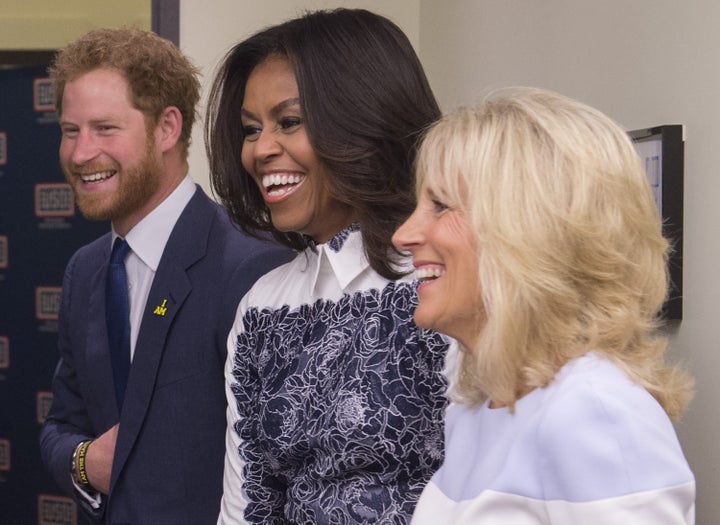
{"points": [[341, 408], [337, 242]]}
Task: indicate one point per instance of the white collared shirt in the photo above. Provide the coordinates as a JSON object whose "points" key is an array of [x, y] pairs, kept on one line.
{"points": [[147, 242]]}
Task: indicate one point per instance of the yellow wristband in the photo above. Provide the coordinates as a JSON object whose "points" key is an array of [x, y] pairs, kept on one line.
{"points": [[79, 472]]}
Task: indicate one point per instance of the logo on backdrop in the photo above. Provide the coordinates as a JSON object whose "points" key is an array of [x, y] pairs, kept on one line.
{"points": [[4, 455], [56, 510], [54, 199], [47, 302], [3, 148], [44, 400], [4, 352], [3, 252], [44, 94]]}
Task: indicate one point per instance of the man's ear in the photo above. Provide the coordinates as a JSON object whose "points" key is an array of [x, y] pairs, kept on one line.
{"points": [[169, 128]]}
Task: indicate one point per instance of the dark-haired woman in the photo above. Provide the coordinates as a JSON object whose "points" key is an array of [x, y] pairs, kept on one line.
{"points": [[336, 398]]}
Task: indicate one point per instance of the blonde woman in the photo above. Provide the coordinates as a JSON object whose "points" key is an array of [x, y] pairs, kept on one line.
{"points": [[538, 246]]}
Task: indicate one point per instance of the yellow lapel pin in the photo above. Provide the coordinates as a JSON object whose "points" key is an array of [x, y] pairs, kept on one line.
{"points": [[162, 309]]}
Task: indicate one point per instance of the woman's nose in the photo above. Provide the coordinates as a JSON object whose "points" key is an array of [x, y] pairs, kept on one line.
{"points": [[409, 235], [267, 145]]}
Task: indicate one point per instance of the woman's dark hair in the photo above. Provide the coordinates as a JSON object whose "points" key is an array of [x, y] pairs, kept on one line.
{"points": [[366, 103]]}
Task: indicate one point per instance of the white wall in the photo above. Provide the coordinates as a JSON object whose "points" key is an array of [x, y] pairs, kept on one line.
{"points": [[209, 29], [643, 62]]}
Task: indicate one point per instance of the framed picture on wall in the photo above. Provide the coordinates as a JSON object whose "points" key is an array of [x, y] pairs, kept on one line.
{"points": [[662, 150]]}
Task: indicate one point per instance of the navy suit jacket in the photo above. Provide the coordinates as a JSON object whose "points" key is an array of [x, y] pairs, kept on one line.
{"points": [[168, 464]]}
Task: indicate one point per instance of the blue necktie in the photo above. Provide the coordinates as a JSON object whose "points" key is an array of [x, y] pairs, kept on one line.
{"points": [[117, 317]]}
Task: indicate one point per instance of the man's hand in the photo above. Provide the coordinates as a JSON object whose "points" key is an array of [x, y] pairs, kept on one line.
{"points": [[99, 458]]}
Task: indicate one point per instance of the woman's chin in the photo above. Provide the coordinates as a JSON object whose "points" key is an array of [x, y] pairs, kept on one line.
{"points": [[423, 319]]}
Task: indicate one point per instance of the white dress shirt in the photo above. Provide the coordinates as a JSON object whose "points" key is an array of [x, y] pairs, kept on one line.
{"points": [[147, 242]]}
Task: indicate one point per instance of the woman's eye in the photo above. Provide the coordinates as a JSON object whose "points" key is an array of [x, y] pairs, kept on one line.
{"points": [[290, 122], [251, 132], [439, 206]]}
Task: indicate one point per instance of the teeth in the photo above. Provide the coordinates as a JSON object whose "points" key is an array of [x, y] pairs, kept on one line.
{"points": [[277, 192], [429, 273], [281, 180], [94, 177]]}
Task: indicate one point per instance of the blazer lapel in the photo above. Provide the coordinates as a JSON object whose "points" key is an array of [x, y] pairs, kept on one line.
{"points": [[171, 287]]}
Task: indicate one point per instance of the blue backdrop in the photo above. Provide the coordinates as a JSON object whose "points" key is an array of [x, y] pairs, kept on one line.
{"points": [[39, 230]]}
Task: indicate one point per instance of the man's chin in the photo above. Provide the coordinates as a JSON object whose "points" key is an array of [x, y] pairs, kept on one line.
{"points": [[94, 211]]}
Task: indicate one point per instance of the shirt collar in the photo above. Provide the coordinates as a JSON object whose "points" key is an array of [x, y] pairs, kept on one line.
{"points": [[149, 237], [345, 254]]}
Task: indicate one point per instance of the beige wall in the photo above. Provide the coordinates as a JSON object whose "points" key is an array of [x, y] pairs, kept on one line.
{"points": [[645, 63], [50, 24]]}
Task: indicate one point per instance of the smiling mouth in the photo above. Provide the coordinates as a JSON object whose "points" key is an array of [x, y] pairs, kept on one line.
{"points": [[429, 274], [277, 185], [97, 176]]}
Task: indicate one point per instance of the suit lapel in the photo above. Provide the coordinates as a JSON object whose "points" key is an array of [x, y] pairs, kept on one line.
{"points": [[170, 288]]}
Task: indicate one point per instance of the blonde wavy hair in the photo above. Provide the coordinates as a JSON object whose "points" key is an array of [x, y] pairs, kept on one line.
{"points": [[572, 258]]}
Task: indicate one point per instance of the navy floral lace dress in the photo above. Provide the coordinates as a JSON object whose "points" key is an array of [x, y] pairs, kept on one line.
{"points": [[336, 398]]}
